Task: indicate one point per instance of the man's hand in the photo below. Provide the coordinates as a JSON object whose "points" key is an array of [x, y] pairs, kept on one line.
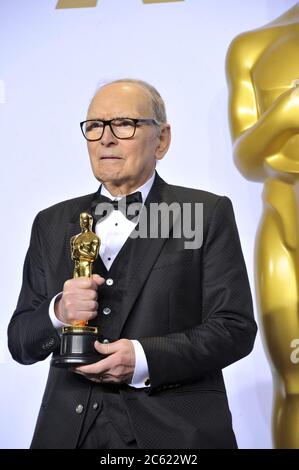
{"points": [[117, 367], [79, 299]]}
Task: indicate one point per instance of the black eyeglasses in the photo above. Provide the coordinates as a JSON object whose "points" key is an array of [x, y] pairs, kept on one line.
{"points": [[121, 128]]}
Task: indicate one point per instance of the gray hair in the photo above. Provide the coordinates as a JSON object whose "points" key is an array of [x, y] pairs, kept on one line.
{"points": [[158, 104]]}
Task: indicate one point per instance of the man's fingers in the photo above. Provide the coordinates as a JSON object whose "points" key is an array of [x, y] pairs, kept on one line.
{"points": [[106, 348], [99, 367], [72, 285], [77, 304], [117, 365], [104, 364], [79, 299], [98, 280], [86, 294], [87, 306], [92, 282]]}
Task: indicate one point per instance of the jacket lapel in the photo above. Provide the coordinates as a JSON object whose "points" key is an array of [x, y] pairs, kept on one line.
{"points": [[145, 251]]}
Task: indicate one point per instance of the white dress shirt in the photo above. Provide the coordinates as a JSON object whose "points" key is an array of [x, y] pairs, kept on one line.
{"points": [[113, 231]]}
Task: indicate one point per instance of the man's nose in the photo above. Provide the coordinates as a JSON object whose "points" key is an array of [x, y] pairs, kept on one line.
{"points": [[108, 137]]}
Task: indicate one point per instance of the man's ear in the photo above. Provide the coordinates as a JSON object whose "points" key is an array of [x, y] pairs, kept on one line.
{"points": [[164, 141]]}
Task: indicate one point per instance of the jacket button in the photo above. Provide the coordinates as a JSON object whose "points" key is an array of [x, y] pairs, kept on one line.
{"points": [[109, 281], [106, 311], [106, 341], [95, 406], [79, 409]]}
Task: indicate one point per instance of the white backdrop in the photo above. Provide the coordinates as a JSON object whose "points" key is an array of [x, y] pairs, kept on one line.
{"points": [[51, 62]]}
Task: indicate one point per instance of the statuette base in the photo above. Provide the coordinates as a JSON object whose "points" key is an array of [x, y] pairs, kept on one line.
{"points": [[77, 347]]}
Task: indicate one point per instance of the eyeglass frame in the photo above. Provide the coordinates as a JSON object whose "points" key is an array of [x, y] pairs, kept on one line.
{"points": [[109, 121]]}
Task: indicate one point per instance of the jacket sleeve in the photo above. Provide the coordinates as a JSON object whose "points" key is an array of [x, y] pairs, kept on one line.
{"points": [[228, 329], [31, 335]]}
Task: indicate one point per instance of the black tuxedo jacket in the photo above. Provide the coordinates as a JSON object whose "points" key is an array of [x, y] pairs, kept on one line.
{"points": [[191, 310]]}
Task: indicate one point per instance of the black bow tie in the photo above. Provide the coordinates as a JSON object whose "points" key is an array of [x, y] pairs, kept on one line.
{"points": [[103, 206]]}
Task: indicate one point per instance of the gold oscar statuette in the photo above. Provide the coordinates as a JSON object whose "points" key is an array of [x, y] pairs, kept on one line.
{"points": [[263, 78], [77, 341]]}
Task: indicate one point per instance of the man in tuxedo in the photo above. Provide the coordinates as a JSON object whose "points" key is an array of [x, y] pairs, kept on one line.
{"points": [[170, 315]]}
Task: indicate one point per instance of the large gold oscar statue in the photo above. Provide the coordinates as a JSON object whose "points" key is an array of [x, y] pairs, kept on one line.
{"points": [[263, 78]]}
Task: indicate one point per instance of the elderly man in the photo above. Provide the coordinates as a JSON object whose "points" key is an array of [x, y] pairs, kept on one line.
{"points": [[170, 316]]}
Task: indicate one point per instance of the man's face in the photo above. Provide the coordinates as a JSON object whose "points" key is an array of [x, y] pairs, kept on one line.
{"points": [[124, 165]]}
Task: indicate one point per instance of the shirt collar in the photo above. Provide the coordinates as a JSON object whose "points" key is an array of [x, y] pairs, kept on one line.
{"points": [[144, 189]]}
